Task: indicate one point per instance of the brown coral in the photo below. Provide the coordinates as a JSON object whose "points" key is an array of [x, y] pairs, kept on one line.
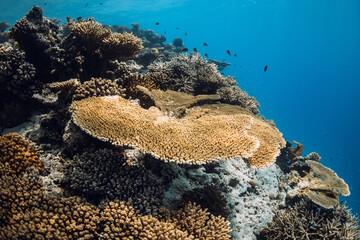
{"points": [[17, 155], [91, 33], [97, 87], [193, 141], [124, 45], [122, 221], [318, 183]]}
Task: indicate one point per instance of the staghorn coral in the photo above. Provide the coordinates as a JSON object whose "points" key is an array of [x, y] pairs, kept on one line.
{"points": [[306, 221], [124, 45], [17, 155], [234, 95], [318, 183], [97, 87], [17, 76], [105, 174], [116, 120], [192, 141], [192, 74], [122, 221]]}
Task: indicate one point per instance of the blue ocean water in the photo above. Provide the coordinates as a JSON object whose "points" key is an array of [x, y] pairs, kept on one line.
{"points": [[311, 47]]}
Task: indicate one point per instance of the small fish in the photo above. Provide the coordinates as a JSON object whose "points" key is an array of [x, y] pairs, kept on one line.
{"points": [[265, 68], [206, 55], [185, 34], [45, 3], [205, 44], [101, 3], [164, 32], [78, 18], [177, 28], [195, 50], [157, 23], [228, 52], [235, 55], [87, 4], [185, 50]]}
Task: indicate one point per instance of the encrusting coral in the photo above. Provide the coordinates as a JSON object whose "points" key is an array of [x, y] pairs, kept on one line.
{"points": [[318, 183], [16, 155], [195, 141], [306, 221]]}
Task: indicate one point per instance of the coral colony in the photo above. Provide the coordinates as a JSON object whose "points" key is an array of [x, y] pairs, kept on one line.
{"points": [[109, 133]]}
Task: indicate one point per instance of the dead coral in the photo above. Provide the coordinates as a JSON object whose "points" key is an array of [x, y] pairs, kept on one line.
{"points": [[97, 87], [306, 221], [17, 155], [194, 141], [125, 45], [192, 74], [234, 95], [318, 183], [105, 174]]}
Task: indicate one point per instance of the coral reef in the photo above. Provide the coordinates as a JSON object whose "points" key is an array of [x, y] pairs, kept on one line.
{"points": [[306, 221], [97, 87], [192, 74], [105, 175], [3, 35], [318, 183], [16, 155], [122, 123]]}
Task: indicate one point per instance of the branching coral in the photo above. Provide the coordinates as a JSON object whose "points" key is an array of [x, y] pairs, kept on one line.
{"points": [[192, 74], [16, 74], [97, 87], [17, 155], [317, 182], [105, 174], [306, 221], [193, 141]]}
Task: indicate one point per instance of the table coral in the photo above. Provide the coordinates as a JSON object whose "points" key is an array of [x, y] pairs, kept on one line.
{"points": [[318, 183], [17, 154], [116, 120], [125, 45], [195, 141]]}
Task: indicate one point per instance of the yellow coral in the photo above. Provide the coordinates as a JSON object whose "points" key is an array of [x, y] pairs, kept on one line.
{"points": [[17, 155], [197, 141]]}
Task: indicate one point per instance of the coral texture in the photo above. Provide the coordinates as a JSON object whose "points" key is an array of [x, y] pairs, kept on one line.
{"points": [[192, 74], [16, 155], [125, 45], [317, 182], [306, 221], [16, 74], [198, 141], [97, 87]]}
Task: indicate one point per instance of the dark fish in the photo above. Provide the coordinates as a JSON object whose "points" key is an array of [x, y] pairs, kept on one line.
{"points": [[78, 18], [235, 55], [265, 68], [164, 32], [205, 44], [157, 23], [195, 50], [45, 3], [185, 50], [206, 55], [86, 4], [185, 34], [177, 28], [101, 3], [228, 52]]}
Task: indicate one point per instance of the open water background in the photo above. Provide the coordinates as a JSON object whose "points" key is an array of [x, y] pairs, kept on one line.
{"points": [[311, 88]]}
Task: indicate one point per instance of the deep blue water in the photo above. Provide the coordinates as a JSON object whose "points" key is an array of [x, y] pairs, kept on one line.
{"points": [[312, 49]]}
